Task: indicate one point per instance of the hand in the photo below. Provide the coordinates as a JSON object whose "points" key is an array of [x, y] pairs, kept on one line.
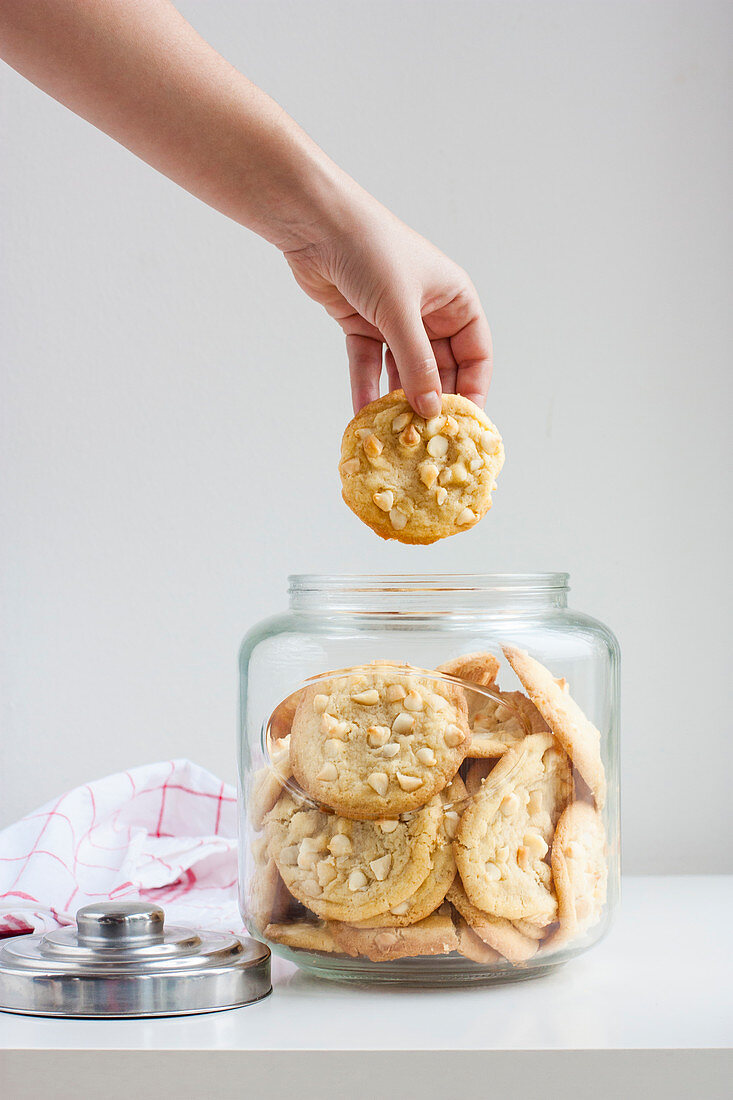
{"points": [[385, 284]]}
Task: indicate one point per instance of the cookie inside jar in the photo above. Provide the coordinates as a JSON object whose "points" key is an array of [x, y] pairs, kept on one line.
{"points": [[406, 818]]}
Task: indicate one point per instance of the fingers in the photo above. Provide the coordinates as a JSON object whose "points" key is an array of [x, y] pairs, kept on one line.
{"points": [[393, 375], [365, 368], [413, 354], [447, 366], [472, 350]]}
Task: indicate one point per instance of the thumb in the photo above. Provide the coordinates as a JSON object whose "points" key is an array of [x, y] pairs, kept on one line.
{"points": [[408, 341]]}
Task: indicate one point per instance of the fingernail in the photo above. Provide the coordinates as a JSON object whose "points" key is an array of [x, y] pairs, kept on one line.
{"points": [[427, 404]]}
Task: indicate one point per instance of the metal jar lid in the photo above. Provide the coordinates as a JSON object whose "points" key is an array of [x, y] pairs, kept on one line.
{"points": [[120, 960]]}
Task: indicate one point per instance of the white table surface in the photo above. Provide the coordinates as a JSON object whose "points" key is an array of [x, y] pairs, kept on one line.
{"points": [[662, 981]]}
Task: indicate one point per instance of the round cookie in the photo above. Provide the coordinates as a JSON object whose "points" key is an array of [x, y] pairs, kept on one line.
{"points": [[378, 743], [430, 893], [577, 735], [498, 933], [434, 935], [502, 722], [268, 901], [303, 935], [266, 785], [351, 870], [418, 481], [580, 871], [471, 946], [501, 841]]}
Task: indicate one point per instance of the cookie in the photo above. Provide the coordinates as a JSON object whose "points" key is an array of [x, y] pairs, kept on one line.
{"points": [[471, 946], [349, 870], [378, 743], [502, 722], [267, 783], [303, 935], [418, 481], [577, 735], [498, 933], [282, 716], [505, 832], [431, 893], [268, 900], [580, 871], [434, 935]]}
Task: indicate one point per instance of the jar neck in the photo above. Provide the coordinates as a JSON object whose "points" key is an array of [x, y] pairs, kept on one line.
{"points": [[430, 594]]}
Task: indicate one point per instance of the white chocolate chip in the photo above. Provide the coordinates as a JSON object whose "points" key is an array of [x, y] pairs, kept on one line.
{"points": [[378, 736], [410, 437], [535, 845], [395, 692], [385, 940], [428, 473], [328, 773], [453, 737], [441, 496], [308, 853], [368, 698], [475, 464], [451, 426], [450, 823], [381, 867], [351, 466], [403, 723], [445, 477], [401, 421], [363, 433], [320, 702], [373, 447], [401, 909], [408, 783], [388, 825], [289, 855], [333, 747], [413, 701], [534, 805], [340, 845], [325, 872], [465, 517], [493, 873], [433, 426], [489, 442], [384, 500], [397, 519], [437, 446], [390, 751], [379, 782], [357, 881], [509, 804], [459, 473], [426, 756]]}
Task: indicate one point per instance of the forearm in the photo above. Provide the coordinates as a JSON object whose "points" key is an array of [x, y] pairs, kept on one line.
{"points": [[138, 71]]}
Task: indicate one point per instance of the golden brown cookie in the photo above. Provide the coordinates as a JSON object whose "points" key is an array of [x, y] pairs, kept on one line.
{"points": [[504, 833], [502, 722], [378, 743], [434, 935], [266, 785], [431, 892], [580, 871], [349, 870], [495, 931], [471, 945], [268, 900], [303, 935], [418, 481], [577, 735]]}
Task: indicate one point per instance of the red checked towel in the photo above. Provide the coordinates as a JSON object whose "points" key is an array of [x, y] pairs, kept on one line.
{"points": [[162, 832]]}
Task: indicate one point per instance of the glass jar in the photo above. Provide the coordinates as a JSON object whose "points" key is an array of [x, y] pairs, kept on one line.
{"points": [[428, 777]]}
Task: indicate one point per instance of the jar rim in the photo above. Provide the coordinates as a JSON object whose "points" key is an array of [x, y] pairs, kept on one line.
{"points": [[300, 583]]}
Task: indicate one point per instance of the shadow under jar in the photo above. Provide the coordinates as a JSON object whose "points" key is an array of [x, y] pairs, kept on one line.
{"points": [[428, 775]]}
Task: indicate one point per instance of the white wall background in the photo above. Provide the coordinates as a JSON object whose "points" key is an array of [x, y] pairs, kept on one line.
{"points": [[172, 404]]}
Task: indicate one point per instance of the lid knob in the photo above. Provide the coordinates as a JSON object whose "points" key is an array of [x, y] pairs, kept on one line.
{"points": [[121, 924]]}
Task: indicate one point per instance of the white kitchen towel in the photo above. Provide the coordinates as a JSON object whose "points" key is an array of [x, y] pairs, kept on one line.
{"points": [[161, 832]]}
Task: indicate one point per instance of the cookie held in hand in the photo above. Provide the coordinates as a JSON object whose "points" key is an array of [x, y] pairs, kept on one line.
{"points": [[415, 480]]}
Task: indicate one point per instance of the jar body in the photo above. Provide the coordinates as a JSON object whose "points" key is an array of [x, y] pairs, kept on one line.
{"points": [[348, 623]]}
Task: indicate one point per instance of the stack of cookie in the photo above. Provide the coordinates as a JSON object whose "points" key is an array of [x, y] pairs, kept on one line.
{"points": [[407, 814]]}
